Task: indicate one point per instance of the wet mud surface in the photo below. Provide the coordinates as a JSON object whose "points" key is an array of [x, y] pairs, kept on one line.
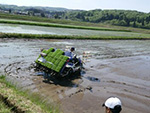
{"points": [[114, 68]]}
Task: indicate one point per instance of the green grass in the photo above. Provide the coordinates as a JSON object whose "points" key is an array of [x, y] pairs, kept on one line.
{"points": [[23, 100], [100, 37], [4, 108]]}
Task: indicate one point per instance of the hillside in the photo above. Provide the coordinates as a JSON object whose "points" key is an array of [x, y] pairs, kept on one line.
{"points": [[127, 18], [49, 12], [113, 17], [25, 8]]}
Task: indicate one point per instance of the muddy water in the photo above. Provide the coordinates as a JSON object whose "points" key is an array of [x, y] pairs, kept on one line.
{"points": [[114, 68]]}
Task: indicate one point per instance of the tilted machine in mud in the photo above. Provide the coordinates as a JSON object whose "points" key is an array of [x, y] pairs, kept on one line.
{"points": [[55, 63]]}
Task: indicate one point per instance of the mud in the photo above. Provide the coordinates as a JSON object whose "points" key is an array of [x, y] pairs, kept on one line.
{"points": [[114, 68]]}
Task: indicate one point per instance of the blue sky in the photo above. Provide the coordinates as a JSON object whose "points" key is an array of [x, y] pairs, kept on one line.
{"points": [[139, 5]]}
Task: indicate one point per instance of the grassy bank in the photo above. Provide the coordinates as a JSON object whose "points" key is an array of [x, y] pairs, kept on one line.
{"points": [[14, 100], [46, 36], [58, 25], [4, 108]]}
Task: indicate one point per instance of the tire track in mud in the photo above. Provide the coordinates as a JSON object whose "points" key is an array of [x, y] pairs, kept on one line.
{"points": [[9, 67], [138, 90], [21, 74], [19, 69], [60, 91]]}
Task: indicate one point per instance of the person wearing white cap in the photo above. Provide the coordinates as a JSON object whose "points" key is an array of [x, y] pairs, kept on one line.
{"points": [[113, 105]]}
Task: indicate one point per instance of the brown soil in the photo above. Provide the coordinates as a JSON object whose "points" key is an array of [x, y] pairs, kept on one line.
{"points": [[125, 77]]}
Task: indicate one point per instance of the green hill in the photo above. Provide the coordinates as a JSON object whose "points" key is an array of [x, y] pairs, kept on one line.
{"points": [[113, 17]]}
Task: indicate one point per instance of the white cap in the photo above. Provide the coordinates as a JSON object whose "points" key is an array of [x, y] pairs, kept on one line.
{"points": [[112, 102]]}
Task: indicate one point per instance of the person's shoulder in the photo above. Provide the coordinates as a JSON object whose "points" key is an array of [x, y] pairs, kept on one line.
{"points": [[68, 51]]}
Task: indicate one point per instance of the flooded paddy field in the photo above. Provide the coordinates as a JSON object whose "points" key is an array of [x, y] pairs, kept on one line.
{"points": [[15, 28], [114, 68]]}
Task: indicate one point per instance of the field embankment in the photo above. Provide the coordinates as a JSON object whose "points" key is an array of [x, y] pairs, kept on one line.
{"points": [[47, 36], [14, 100], [4, 108]]}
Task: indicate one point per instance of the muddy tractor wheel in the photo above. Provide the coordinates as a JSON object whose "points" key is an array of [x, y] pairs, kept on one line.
{"points": [[67, 72], [37, 67], [79, 72]]}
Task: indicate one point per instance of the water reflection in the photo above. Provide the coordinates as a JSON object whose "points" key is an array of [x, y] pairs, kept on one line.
{"points": [[14, 28]]}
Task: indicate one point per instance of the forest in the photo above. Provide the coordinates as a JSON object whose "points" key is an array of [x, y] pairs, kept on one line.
{"points": [[113, 17]]}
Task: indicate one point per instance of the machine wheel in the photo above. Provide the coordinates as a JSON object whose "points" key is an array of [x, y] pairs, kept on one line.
{"points": [[67, 72]]}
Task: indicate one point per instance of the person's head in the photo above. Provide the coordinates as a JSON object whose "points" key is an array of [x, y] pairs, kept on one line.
{"points": [[42, 49], [72, 49], [113, 105]]}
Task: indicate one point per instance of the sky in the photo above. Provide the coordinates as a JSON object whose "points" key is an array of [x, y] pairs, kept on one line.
{"points": [[139, 5]]}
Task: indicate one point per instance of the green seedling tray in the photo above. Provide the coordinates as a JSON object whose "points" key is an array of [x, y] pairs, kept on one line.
{"points": [[55, 59]]}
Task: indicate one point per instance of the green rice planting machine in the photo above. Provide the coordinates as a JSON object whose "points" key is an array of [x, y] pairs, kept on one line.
{"points": [[53, 62]]}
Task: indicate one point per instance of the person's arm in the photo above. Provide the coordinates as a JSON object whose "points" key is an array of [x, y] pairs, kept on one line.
{"points": [[43, 54]]}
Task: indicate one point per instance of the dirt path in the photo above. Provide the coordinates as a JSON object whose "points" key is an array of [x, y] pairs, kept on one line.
{"points": [[126, 77]]}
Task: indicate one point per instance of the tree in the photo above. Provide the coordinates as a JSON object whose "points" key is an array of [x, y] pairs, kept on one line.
{"points": [[147, 19], [134, 24], [56, 16], [66, 17], [42, 14], [10, 11], [142, 22]]}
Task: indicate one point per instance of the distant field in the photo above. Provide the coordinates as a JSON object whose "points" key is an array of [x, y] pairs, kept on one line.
{"points": [[31, 31], [58, 25], [48, 20], [69, 22], [26, 27]]}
